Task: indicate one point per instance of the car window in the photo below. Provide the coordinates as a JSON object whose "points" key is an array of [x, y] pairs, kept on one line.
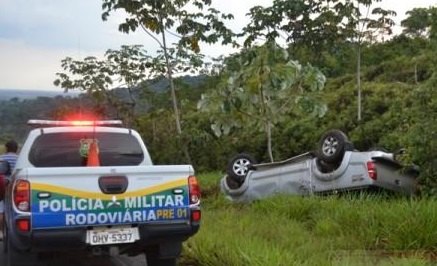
{"points": [[69, 149]]}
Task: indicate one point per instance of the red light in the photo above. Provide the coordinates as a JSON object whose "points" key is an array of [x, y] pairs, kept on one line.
{"points": [[196, 215], [23, 225], [371, 169], [57, 123], [22, 195], [82, 123], [194, 190]]}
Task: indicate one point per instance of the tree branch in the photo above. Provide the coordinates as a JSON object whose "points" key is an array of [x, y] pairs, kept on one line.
{"points": [[174, 34], [153, 37]]}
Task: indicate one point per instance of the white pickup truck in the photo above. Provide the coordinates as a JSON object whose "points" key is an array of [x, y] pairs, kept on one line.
{"points": [[336, 166], [91, 185]]}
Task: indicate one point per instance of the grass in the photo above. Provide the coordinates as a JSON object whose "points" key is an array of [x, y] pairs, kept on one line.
{"points": [[356, 229]]}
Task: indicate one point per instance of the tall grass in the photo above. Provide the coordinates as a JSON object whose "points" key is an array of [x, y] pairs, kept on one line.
{"points": [[356, 229]]}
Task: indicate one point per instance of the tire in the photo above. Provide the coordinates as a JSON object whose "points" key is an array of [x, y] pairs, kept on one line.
{"points": [[153, 261], [5, 235], [231, 183], [17, 258], [326, 167], [332, 146], [238, 167], [163, 254]]}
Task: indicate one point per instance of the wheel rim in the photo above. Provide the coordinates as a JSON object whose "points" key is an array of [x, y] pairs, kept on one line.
{"points": [[330, 146], [241, 167]]}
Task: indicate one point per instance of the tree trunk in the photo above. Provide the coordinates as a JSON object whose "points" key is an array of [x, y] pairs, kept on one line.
{"points": [[153, 130], [173, 96], [359, 79], [132, 106], [416, 79], [269, 140]]}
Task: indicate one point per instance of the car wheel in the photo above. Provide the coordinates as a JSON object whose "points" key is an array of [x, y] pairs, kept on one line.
{"points": [[153, 261], [5, 235], [332, 146], [231, 183], [239, 166], [326, 167], [17, 258]]}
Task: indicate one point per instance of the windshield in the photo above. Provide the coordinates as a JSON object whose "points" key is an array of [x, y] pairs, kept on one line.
{"points": [[70, 149]]}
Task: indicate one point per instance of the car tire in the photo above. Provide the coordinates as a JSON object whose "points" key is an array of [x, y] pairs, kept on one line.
{"points": [[238, 167], [326, 167], [153, 258], [17, 258], [332, 146], [5, 235], [154, 261], [231, 183]]}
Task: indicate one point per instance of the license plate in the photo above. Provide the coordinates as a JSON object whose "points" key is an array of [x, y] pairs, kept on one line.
{"points": [[108, 236]]}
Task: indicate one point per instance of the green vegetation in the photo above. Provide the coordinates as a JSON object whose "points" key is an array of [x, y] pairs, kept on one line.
{"points": [[395, 77], [353, 229], [381, 90]]}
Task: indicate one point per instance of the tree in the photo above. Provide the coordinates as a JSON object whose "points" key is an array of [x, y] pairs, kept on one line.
{"points": [[193, 24], [320, 26], [124, 68], [421, 137], [417, 23], [259, 88], [367, 29]]}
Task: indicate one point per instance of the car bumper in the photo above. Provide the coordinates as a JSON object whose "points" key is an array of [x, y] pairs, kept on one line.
{"points": [[75, 239]]}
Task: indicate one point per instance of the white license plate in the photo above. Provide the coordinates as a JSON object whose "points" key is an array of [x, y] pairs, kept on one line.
{"points": [[108, 236]]}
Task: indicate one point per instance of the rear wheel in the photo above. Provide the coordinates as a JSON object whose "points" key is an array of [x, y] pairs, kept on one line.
{"points": [[153, 258], [232, 184], [5, 235], [153, 261], [238, 167], [164, 254], [18, 258], [326, 167], [332, 146]]}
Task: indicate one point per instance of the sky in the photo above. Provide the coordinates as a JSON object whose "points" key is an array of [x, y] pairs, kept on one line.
{"points": [[35, 35]]}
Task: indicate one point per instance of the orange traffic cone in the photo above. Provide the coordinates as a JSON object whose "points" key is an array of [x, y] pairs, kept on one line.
{"points": [[93, 155]]}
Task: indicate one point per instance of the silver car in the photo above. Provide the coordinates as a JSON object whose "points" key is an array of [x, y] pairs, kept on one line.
{"points": [[336, 166]]}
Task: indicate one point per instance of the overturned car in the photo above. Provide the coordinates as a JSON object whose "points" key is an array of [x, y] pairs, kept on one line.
{"points": [[335, 166]]}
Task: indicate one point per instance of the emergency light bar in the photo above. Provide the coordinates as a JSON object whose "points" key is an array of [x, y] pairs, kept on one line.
{"points": [[78, 123]]}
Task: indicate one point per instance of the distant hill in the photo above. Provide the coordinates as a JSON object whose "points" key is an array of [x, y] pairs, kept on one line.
{"points": [[7, 94], [157, 85]]}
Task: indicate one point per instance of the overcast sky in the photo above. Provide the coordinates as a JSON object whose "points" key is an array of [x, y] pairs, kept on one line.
{"points": [[35, 35]]}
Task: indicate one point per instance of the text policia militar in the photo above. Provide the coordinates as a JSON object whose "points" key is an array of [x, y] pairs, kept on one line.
{"points": [[80, 211]]}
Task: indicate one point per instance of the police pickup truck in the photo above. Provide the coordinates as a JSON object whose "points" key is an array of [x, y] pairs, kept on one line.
{"points": [[91, 185]]}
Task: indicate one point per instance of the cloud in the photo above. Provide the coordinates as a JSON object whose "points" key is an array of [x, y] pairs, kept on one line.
{"points": [[24, 66], [62, 24], [35, 35]]}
